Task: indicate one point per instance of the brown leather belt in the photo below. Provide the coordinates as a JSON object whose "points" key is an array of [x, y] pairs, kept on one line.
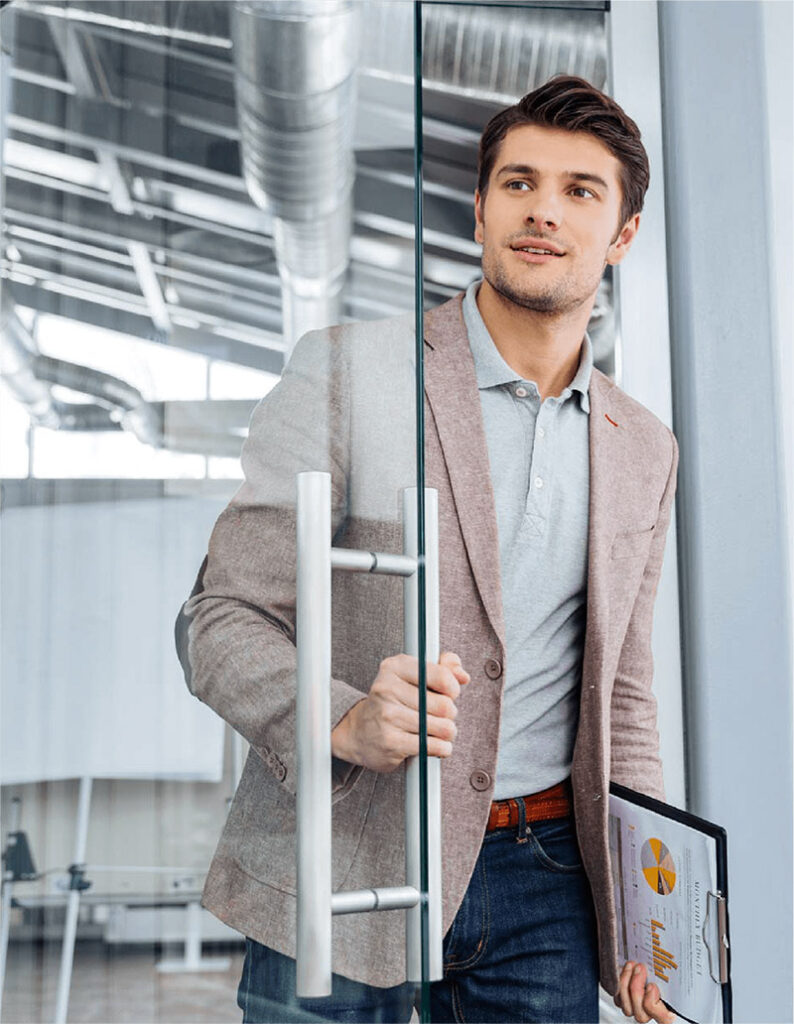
{"points": [[555, 802]]}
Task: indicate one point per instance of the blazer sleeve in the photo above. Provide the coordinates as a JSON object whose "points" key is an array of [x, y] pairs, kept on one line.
{"points": [[634, 746], [235, 634]]}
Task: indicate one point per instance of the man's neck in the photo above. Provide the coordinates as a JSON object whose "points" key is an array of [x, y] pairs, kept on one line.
{"points": [[541, 347]]}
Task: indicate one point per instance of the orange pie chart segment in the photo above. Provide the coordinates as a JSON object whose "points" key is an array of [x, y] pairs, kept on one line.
{"points": [[658, 866]]}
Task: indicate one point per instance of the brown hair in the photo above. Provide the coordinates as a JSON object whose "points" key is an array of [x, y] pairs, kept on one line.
{"points": [[574, 105]]}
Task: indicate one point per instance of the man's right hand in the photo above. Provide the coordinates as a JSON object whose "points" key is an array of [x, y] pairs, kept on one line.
{"points": [[383, 729]]}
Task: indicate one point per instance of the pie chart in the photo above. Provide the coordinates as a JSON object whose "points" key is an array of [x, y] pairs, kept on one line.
{"points": [[658, 867]]}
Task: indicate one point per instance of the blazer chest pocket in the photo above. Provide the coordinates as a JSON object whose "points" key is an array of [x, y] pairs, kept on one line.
{"points": [[632, 545]]}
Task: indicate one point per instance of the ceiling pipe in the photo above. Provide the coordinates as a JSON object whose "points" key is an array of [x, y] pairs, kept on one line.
{"points": [[295, 85], [17, 355], [102, 15], [196, 427]]}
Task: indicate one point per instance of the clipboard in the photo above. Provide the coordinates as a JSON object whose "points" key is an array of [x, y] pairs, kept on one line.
{"points": [[714, 932]]}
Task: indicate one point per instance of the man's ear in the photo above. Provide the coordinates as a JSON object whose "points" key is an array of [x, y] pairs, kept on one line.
{"points": [[620, 246], [478, 227]]}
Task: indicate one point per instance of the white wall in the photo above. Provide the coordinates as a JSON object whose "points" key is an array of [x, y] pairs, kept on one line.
{"points": [[778, 38], [727, 340], [91, 683]]}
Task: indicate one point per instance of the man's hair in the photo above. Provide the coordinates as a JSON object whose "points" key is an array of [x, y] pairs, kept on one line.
{"points": [[574, 105]]}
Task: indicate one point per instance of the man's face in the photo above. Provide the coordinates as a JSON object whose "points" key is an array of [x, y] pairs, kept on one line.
{"points": [[555, 188]]}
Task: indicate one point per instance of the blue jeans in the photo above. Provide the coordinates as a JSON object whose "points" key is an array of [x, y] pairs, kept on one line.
{"points": [[523, 946]]}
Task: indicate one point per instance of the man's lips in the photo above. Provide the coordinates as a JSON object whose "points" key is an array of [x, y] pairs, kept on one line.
{"points": [[540, 246], [537, 256]]}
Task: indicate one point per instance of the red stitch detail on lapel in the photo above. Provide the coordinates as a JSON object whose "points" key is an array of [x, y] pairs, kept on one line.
{"points": [[611, 420]]}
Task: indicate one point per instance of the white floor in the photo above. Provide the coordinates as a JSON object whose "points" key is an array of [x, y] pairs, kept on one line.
{"points": [[121, 985], [117, 984]]}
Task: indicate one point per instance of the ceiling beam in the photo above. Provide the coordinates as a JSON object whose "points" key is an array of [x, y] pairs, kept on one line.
{"points": [[144, 137], [86, 309]]}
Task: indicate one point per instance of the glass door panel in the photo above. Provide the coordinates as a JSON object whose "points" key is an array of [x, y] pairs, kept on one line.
{"points": [[210, 287], [476, 59], [208, 290]]}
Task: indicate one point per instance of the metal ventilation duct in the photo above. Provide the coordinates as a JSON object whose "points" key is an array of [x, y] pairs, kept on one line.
{"points": [[29, 375], [295, 67], [295, 84], [17, 354], [503, 53], [200, 427]]}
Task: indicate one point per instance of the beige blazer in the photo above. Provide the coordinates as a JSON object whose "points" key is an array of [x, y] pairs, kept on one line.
{"points": [[346, 405]]}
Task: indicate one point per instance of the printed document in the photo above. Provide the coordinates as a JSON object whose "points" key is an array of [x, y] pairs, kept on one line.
{"points": [[663, 872]]}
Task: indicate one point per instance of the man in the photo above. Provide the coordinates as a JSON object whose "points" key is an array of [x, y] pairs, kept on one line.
{"points": [[555, 490]]}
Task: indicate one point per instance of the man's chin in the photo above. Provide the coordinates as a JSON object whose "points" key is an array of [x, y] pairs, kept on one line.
{"points": [[532, 299]]}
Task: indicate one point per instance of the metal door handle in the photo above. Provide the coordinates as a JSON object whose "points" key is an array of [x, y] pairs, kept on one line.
{"points": [[316, 901]]}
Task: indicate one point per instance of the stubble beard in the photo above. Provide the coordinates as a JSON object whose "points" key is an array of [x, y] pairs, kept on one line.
{"points": [[558, 298]]}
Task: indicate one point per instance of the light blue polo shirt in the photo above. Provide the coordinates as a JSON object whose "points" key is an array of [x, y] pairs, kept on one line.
{"points": [[539, 459]]}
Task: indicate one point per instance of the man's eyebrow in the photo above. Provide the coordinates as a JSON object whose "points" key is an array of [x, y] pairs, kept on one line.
{"points": [[575, 175], [585, 176]]}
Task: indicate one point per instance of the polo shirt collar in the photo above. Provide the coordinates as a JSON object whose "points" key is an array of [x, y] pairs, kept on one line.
{"points": [[490, 368]]}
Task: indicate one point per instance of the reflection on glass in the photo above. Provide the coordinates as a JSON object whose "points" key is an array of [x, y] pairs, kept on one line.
{"points": [[179, 191], [187, 190]]}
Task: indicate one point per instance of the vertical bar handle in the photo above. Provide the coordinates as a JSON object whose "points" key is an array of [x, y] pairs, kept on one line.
{"points": [[315, 899], [313, 629], [413, 936]]}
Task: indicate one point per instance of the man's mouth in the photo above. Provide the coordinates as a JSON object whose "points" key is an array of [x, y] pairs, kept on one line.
{"points": [[536, 249], [536, 253]]}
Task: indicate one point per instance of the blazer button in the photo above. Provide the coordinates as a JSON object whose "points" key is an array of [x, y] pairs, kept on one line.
{"points": [[493, 668], [480, 780]]}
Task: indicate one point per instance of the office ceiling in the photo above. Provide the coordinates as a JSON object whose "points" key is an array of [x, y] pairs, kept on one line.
{"points": [[129, 196]]}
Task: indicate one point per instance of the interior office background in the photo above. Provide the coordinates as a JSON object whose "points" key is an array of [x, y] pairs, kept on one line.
{"points": [[153, 282]]}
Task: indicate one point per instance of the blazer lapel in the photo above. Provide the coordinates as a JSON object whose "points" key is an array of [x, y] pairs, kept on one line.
{"points": [[454, 399]]}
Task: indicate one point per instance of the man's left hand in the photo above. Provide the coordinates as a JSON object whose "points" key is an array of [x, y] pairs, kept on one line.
{"points": [[638, 1000]]}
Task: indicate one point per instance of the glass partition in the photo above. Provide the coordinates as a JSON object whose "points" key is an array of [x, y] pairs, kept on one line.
{"points": [[193, 193], [477, 59], [210, 285]]}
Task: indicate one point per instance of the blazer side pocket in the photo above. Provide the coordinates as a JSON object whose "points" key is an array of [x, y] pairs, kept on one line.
{"points": [[263, 841], [632, 545]]}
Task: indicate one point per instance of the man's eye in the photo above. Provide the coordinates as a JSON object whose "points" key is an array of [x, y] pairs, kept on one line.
{"points": [[581, 188], [511, 183]]}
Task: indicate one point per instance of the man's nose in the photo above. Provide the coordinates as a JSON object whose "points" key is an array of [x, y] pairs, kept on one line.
{"points": [[543, 210]]}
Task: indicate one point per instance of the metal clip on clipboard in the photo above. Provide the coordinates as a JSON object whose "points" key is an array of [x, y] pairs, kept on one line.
{"points": [[719, 935]]}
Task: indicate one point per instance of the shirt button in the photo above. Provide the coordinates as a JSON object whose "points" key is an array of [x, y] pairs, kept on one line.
{"points": [[538, 482], [541, 432], [521, 392], [493, 668], [480, 780]]}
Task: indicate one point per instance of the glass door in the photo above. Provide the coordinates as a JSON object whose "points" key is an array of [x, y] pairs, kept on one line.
{"points": [[208, 306], [222, 224]]}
